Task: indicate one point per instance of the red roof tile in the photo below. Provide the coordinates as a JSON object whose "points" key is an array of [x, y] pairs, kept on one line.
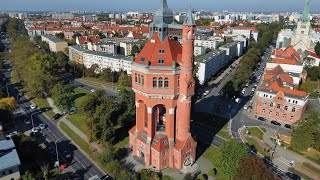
{"points": [[284, 61], [150, 52], [313, 54], [276, 87], [160, 142]]}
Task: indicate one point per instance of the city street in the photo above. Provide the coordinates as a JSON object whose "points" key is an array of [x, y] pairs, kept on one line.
{"points": [[79, 166]]}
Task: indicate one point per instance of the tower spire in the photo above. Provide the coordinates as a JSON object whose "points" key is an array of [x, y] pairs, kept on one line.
{"points": [[306, 16]]}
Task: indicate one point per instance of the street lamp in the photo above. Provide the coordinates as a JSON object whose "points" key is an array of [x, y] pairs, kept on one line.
{"points": [[32, 117], [7, 89], [58, 161]]}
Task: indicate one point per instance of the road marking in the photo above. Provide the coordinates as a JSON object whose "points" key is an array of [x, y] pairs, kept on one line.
{"points": [[284, 161]]}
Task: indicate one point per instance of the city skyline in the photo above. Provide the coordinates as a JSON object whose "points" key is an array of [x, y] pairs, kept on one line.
{"points": [[126, 5]]}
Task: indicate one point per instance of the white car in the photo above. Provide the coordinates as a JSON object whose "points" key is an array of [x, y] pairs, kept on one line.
{"points": [[42, 126], [35, 130], [92, 90], [245, 107], [27, 121], [33, 106]]}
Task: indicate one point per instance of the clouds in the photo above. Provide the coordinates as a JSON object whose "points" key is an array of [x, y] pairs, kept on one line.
{"points": [[150, 5]]}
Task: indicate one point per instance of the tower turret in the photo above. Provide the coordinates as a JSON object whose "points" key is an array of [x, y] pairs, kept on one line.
{"points": [[161, 18]]}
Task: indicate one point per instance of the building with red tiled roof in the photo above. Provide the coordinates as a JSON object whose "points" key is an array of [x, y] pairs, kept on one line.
{"points": [[311, 59], [278, 98], [80, 40], [288, 53], [163, 85]]}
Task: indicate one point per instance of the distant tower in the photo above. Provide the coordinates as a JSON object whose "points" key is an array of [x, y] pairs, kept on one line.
{"points": [[163, 83], [301, 39]]}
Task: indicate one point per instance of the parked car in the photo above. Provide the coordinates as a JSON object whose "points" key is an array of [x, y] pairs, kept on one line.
{"points": [[34, 134], [65, 112], [35, 130], [262, 119], [288, 126], [92, 90], [276, 123], [27, 121], [67, 154], [42, 126], [56, 116], [245, 107], [33, 106]]}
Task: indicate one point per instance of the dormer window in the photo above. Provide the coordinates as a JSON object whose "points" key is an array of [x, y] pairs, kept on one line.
{"points": [[161, 51], [142, 59], [161, 61], [155, 141], [165, 142]]}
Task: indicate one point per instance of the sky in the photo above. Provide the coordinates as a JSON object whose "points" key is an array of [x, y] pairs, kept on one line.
{"points": [[151, 5]]}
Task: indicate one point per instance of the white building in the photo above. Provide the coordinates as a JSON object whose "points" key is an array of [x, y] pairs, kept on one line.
{"points": [[212, 44], [231, 50], [102, 60], [126, 47], [199, 50], [108, 48], [60, 16], [284, 38], [210, 64]]}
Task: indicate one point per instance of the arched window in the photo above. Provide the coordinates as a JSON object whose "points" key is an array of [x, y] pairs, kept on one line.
{"points": [[160, 83], [139, 79], [155, 82], [178, 81], [135, 78], [166, 83], [142, 80]]}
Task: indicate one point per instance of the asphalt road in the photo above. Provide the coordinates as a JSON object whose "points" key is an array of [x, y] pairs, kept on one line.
{"points": [[79, 165]]}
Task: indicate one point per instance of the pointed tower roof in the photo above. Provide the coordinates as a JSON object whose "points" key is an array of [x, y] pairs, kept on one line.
{"points": [[189, 21], [306, 16], [163, 14]]}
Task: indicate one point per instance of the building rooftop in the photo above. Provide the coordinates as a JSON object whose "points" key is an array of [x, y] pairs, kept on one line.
{"points": [[8, 155], [53, 38], [115, 56], [229, 45], [209, 56]]}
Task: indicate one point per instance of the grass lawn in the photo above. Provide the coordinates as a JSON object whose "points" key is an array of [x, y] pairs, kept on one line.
{"points": [[224, 134], [211, 154], [256, 132], [309, 167], [42, 104], [299, 173], [122, 143], [98, 82], [313, 155], [259, 149], [78, 119], [79, 141]]}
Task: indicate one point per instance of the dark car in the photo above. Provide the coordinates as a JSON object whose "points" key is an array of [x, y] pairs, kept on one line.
{"points": [[288, 126], [262, 119], [275, 123], [67, 154], [56, 116], [292, 176]]}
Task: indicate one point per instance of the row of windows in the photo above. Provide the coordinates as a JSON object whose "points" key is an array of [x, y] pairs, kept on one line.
{"points": [[279, 107], [284, 116], [280, 98], [160, 83], [139, 79]]}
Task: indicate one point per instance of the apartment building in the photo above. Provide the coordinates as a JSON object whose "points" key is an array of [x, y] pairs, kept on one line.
{"points": [[55, 44]]}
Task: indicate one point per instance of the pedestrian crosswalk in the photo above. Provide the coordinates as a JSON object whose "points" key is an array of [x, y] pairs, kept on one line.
{"points": [[285, 161]]}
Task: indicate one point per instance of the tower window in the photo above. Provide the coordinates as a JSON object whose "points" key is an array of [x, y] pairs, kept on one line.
{"points": [[139, 79], [161, 51], [161, 61], [160, 82], [136, 78], [142, 80], [155, 82], [166, 82]]}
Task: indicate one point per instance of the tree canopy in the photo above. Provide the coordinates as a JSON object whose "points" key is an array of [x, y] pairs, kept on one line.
{"points": [[253, 167], [317, 49], [230, 155], [307, 133]]}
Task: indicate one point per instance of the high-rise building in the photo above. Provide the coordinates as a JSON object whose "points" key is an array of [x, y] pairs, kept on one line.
{"points": [[163, 84]]}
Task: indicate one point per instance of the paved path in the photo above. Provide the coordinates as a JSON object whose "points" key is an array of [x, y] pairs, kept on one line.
{"points": [[73, 127], [283, 157]]}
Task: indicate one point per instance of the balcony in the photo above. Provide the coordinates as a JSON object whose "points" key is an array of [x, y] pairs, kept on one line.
{"points": [[161, 128]]}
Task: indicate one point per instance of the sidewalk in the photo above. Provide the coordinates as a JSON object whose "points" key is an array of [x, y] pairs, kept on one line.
{"points": [[288, 155], [74, 128]]}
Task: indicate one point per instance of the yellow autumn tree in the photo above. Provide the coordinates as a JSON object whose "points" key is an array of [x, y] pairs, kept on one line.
{"points": [[8, 104]]}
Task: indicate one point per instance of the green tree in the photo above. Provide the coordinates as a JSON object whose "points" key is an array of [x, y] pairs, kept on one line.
{"points": [[314, 73], [135, 49], [253, 167], [1, 47], [124, 80], [317, 49], [107, 75], [28, 176], [60, 35], [44, 173], [306, 133], [229, 156]]}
